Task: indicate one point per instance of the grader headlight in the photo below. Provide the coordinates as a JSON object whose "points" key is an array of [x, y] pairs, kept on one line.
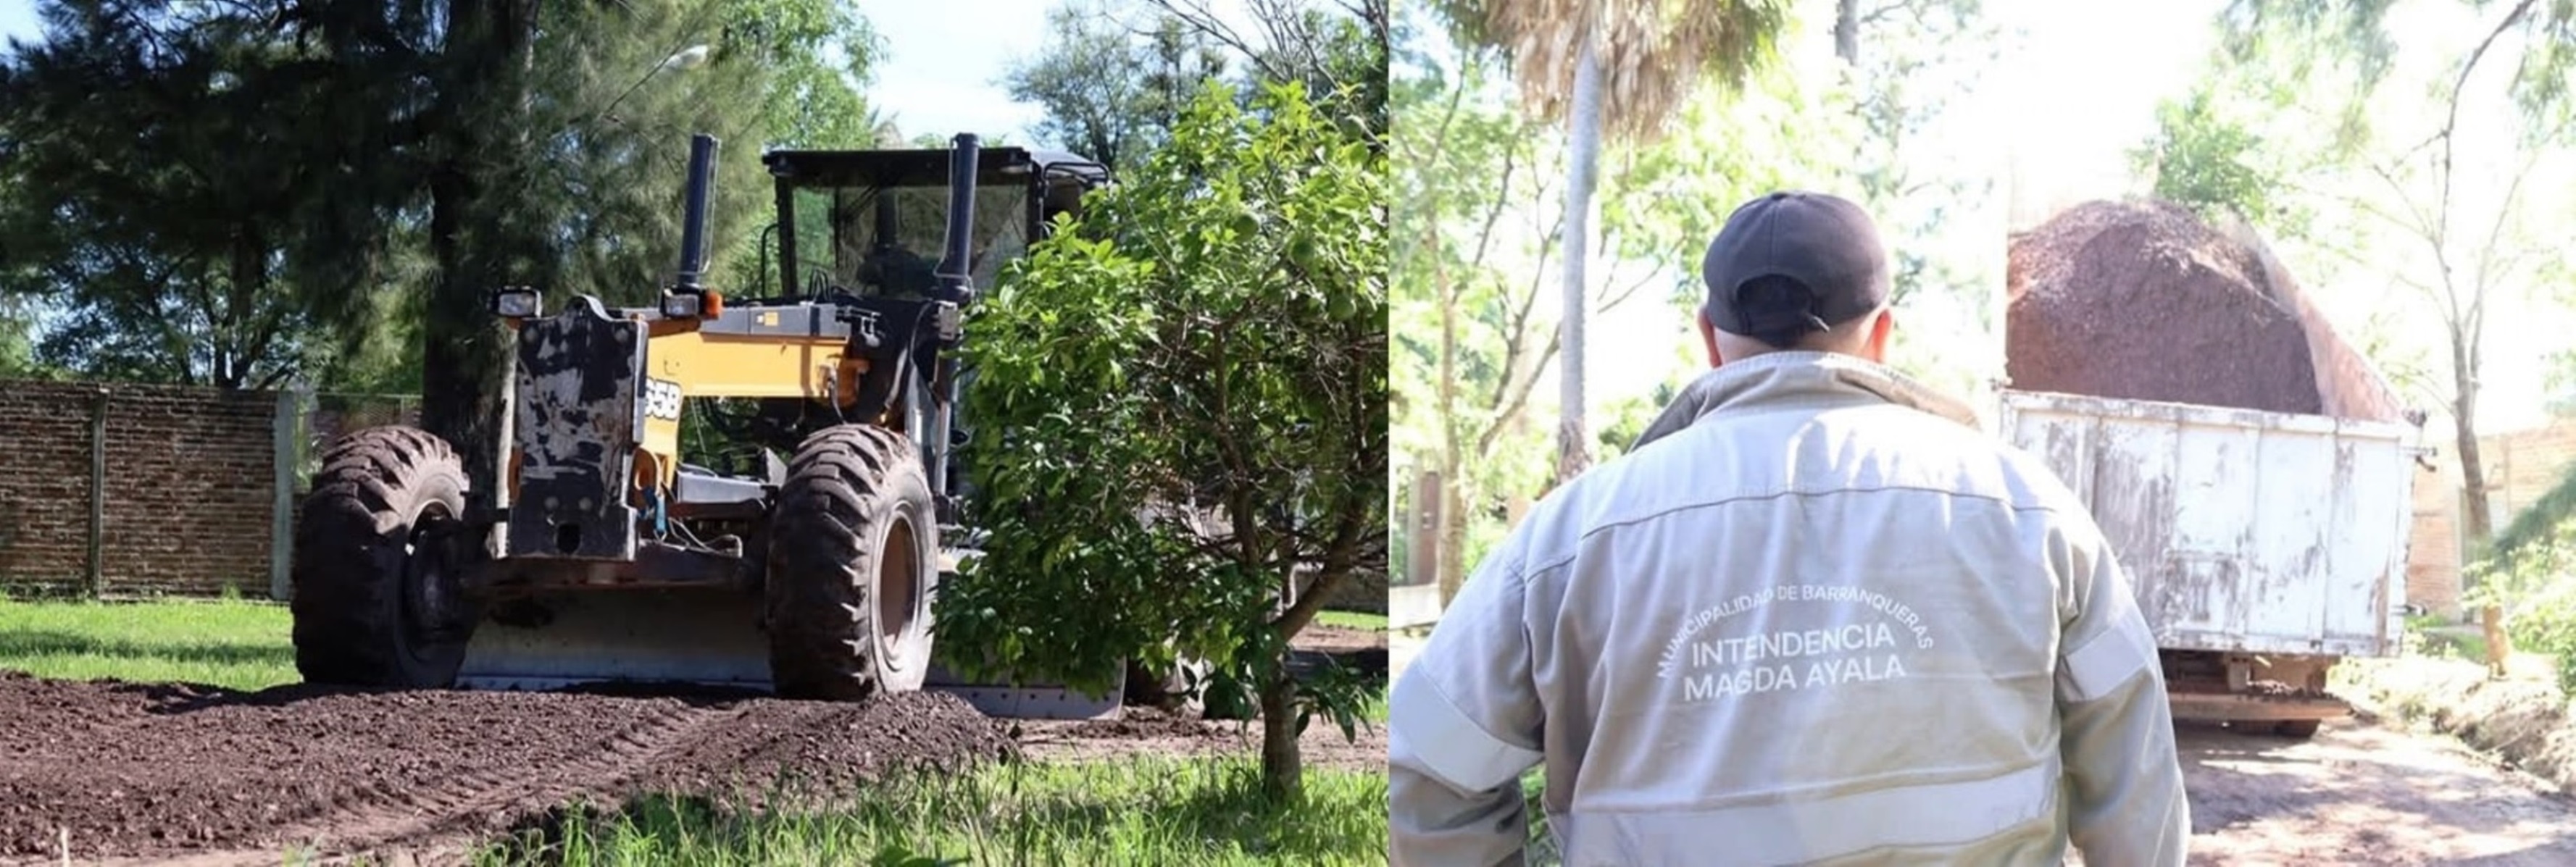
{"points": [[517, 303], [692, 305]]}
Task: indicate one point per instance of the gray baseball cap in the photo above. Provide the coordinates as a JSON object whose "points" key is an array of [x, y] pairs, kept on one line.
{"points": [[1820, 243]]}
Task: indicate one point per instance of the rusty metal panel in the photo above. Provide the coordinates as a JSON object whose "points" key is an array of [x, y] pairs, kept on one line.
{"points": [[580, 415], [2240, 530]]}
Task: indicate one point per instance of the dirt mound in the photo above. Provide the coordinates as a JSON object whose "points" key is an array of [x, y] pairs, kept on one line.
{"points": [[1146, 723], [770, 744], [2143, 301], [129, 770]]}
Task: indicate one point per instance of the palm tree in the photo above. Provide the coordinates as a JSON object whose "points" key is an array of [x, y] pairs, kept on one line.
{"points": [[1618, 68]]}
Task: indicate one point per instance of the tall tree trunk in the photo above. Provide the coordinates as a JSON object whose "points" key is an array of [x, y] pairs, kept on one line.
{"points": [[488, 53], [1452, 518], [232, 360], [1573, 444], [1282, 774], [2473, 479], [1847, 30], [1453, 538]]}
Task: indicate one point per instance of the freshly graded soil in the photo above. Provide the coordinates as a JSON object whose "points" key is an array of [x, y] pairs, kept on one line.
{"points": [[1146, 723], [2144, 301], [124, 770]]}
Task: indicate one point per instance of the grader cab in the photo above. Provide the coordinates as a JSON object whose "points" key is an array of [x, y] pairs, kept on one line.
{"points": [[613, 551]]}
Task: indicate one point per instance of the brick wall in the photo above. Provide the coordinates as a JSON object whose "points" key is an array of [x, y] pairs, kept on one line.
{"points": [[2433, 551], [189, 493], [2523, 465], [1365, 591]]}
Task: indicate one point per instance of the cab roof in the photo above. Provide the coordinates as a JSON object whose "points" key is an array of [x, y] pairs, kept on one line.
{"points": [[922, 167]]}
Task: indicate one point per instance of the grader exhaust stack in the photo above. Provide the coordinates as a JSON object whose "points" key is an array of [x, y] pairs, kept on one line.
{"points": [[807, 570]]}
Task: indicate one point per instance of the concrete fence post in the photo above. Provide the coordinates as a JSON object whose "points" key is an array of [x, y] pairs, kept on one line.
{"points": [[97, 583], [286, 431], [1422, 559]]}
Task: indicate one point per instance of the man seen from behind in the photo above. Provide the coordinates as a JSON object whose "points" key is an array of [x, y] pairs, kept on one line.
{"points": [[1815, 617]]}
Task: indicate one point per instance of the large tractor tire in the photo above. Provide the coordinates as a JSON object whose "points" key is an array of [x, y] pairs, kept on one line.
{"points": [[376, 600], [853, 561]]}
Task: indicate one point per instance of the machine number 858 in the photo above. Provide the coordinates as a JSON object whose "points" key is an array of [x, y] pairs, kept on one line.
{"points": [[662, 399]]}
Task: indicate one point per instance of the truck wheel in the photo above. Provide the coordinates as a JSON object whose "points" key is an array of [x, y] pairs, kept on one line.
{"points": [[853, 560], [376, 600], [2296, 729]]}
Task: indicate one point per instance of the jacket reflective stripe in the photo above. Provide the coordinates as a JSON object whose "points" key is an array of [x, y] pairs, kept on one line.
{"points": [[2110, 659], [1941, 814], [1425, 725]]}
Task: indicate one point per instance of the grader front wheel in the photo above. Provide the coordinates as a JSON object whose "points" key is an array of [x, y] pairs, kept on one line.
{"points": [[376, 597], [853, 560]]}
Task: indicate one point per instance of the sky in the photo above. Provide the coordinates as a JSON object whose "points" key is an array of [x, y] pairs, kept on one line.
{"points": [[18, 19], [943, 70], [2083, 84]]}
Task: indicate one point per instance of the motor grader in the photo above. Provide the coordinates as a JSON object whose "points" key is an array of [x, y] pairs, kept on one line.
{"points": [[606, 553]]}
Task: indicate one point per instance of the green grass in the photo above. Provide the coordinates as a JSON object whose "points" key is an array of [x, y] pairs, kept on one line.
{"points": [[2436, 637], [1132, 811], [1352, 620], [242, 645]]}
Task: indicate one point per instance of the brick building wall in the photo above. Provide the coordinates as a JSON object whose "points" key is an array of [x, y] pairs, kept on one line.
{"points": [[2433, 551], [189, 490], [2521, 467], [1365, 591]]}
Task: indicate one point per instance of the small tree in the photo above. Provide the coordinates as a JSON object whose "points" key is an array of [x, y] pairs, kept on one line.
{"points": [[1183, 404]]}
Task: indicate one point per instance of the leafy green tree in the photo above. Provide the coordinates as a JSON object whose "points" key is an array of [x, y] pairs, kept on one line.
{"points": [[1479, 218], [1470, 337], [17, 340], [2206, 161], [1112, 92], [1338, 49], [179, 195], [313, 178], [1613, 69], [2399, 174], [1189, 394], [1479, 229], [1907, 65]]}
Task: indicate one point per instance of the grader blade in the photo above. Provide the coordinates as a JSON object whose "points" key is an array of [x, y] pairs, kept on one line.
{"points": [[708, 638], [700, 638], [1036, 701]]}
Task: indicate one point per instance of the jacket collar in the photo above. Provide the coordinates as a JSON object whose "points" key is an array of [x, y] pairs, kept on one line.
{"points": [[1792, 378]]}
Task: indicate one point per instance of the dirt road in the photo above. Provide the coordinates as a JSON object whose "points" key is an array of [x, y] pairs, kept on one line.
{"points": [[2364, 795]]}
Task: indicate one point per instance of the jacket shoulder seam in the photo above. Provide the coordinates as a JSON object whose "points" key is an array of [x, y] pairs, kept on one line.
{"points": [[1522, 573]]}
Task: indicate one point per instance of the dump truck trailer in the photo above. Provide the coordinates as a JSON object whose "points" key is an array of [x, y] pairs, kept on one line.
{"points": [[2261, 546]]}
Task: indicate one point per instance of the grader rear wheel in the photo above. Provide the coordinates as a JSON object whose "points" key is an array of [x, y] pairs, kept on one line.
{"points": [[853, 560], [376, 599]]}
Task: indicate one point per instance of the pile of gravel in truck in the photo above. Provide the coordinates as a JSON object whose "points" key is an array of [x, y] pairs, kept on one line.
{"points": [[2143, 300], [2149, 354]]}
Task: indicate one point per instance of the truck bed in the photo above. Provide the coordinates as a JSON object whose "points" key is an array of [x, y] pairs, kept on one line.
{"points": [[2242, 532]]}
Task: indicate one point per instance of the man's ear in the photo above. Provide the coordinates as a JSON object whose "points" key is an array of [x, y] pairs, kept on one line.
{"points": [[1879, 328], [1708, 338]]}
